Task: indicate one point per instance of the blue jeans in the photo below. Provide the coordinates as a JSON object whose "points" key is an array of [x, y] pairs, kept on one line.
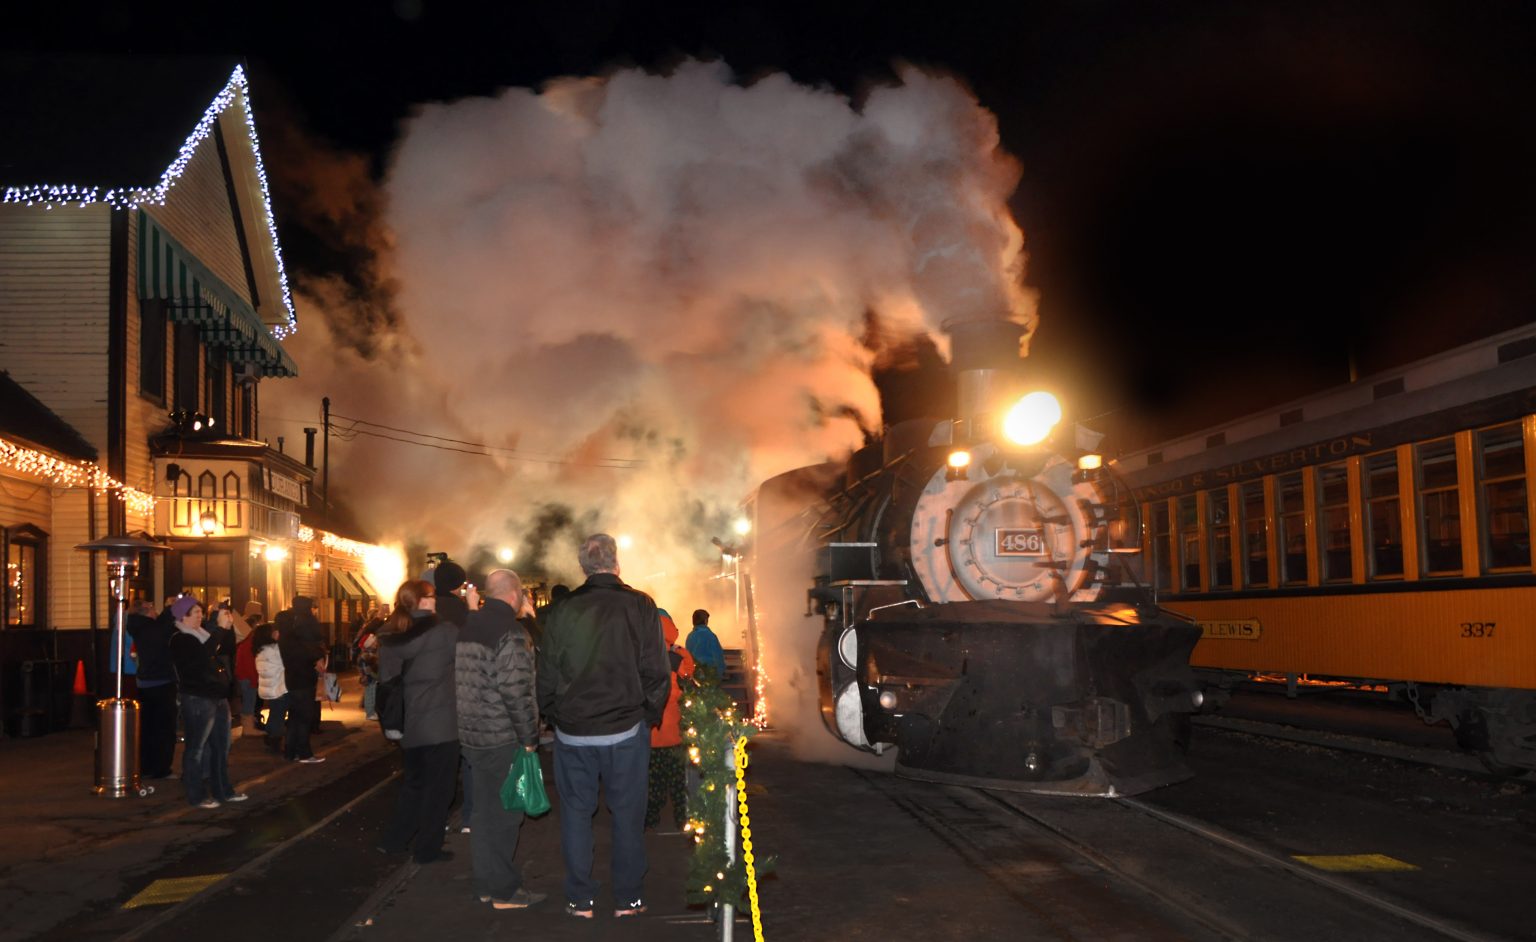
{"points": [[622, 770], [467, 784], [247, 697], [205, 762]]}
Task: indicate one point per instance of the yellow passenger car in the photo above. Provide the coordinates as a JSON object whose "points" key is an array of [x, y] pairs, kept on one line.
{"points": [[1377, 534]]}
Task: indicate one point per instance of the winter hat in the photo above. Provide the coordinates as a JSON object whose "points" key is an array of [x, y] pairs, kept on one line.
{"points": [[183, 605], [448, 576]]}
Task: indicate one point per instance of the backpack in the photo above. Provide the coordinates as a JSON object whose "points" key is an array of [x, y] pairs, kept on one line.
{"points": [[389, 702]]}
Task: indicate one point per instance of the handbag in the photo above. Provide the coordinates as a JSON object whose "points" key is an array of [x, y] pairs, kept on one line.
{"points": [[523, 789], [389, 704], [332, 686]]}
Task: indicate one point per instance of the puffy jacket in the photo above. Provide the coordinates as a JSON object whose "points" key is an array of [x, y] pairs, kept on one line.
{"points": [[602, 663], [269, 667], [494, 677], [430, 716]]}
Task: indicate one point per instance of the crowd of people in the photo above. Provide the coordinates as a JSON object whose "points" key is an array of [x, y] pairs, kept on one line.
{"points": [[483, 676], [209, 668], [599, 673]]}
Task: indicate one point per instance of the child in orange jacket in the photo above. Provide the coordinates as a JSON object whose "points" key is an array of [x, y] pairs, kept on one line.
{"points": [[668, 759]]}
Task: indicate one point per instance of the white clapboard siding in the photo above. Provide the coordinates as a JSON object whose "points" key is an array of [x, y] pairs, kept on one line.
{"points": [[25, 500], [54, 273], [197, 213], [69, 576]]}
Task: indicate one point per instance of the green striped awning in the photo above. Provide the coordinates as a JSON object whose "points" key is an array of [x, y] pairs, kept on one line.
{"points": [[194, 295]]}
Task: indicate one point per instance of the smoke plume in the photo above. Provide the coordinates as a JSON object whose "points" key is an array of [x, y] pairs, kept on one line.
{"points": [[647, 293]]}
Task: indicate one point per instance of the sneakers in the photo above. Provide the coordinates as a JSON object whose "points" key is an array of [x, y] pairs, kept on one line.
{"points": [[579, 910], [237, 796], [312, 760], [209, 803], [522, 899], [632, 908]]}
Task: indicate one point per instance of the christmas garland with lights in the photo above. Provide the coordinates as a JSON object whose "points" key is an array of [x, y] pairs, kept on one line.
{"points": [[711, 727]]}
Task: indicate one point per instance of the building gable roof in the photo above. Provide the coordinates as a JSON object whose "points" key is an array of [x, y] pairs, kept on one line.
{"points": [[100, 130]]}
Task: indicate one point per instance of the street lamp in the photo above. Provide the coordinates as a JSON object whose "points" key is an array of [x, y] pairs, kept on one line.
{"points": [[207, 523], [117, 735]]}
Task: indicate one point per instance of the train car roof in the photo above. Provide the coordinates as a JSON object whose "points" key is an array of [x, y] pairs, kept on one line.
{"points": [[1480, 383]]}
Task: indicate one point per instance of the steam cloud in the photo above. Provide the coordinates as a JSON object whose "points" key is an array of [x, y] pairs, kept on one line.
{"points": [[653, 291]]}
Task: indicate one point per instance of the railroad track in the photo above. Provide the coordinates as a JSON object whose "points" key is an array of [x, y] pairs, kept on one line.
{"points": [[1126, 869], [1350, 742]]}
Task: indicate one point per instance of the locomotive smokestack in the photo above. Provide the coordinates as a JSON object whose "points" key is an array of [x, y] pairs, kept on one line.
{"points": [[984, 356]]}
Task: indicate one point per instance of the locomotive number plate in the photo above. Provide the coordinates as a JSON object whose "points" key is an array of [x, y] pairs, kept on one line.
{"points": [[1020, 541], [1232, 629]]}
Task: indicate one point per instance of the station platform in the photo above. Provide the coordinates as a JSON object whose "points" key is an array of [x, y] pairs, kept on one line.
{"points": [[68, 853]]}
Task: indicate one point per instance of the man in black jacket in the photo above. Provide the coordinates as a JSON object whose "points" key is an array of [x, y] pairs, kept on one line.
{"points": [[497, 717], [312, 633], [603, 681], [157, 687], [302, 646]]}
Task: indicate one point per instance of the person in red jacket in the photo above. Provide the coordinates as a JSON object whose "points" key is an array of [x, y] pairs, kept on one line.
{"points": [[246, 677], [668, 760]]}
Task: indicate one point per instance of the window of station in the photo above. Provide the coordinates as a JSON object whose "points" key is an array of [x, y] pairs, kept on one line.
{"points": [[1162, 556], [1255, 534], [1506, 529], [1291, 517], [23, 578], [206, 576], [1333, 521], [1439, 507], [1383, 524], [1220, 526], [1189, 544]]}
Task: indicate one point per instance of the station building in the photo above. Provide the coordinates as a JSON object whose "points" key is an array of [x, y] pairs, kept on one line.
{"points": [[143, 306]]}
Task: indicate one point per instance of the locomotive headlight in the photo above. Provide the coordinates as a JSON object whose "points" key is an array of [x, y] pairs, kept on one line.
{"points": [[1090, 462], [960, 458], [887, 699], [1032, 418]]}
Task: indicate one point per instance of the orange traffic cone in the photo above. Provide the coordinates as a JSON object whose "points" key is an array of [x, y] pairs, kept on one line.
{"points": [[81, 703]]}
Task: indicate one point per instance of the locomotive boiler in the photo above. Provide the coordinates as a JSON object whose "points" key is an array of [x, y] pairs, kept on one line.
{"points": [[982, 610]]}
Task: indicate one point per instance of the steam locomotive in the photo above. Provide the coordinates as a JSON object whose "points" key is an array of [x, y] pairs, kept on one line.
{"points": [[981, 605]]}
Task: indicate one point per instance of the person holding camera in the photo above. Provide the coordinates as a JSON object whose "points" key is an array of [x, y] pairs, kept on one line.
{"points": [[204, 682]]}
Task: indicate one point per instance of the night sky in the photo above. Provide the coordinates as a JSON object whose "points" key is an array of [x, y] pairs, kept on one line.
{"points": [[1224, 204]]}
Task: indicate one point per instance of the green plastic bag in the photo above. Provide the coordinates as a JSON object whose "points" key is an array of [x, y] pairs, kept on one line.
{"points": [[523, 789]]}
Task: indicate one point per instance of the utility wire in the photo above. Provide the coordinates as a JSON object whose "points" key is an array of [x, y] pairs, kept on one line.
{"points": [[475, 448], [458, 441]]}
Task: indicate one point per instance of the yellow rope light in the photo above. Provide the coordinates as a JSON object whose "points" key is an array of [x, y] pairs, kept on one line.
{"points": [[746, 837], [72, 474]]}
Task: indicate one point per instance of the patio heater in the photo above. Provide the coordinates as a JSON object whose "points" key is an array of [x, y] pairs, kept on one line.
{"points": [[117, 735]]}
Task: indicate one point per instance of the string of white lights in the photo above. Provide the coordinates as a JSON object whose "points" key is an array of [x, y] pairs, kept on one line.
{"points": [[334, 543], [71, 474], [235, 90]]}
